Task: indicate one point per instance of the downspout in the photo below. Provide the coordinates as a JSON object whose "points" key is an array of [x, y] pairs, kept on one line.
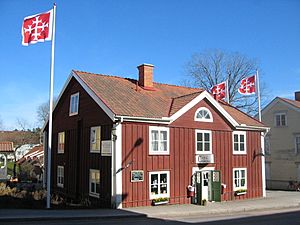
{"points": [[263, 161], [116, 184]]}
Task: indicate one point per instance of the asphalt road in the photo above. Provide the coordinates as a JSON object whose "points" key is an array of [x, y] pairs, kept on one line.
{"points": [[250, 218]]}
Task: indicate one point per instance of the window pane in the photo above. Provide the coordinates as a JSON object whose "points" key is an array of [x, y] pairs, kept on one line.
{"points": [[277, 120], [163, 135], [243, 182], [236, 146], [236, 174], [163, 178], [154, 178], [242, 138], [199, 147], [154, 145], [283, 120], [98, 188], [207, 147], [163, 146], [154, 189], [206, 136], [163, 188], [199, 136], [242, 173], [235, 138], [242, 147], [154, 135]]}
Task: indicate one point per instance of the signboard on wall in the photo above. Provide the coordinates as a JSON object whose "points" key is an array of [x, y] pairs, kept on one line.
{"points": [[205, 158], [106, 148], [137, 175]]}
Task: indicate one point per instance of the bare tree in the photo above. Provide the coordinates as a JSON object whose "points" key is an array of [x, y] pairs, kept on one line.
{"points": [[215, 66], [43, 113], [1, 124]]}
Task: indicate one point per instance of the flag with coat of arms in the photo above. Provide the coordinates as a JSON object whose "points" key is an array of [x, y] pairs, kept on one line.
{"points": [[219, 91], [37, 28], [247, 86]]}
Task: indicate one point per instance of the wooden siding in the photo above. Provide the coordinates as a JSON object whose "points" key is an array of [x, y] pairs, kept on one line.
{"points": [[77, 159], [181, 159]]}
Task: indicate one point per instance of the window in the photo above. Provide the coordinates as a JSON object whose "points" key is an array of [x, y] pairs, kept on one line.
{"points": [[204, 115], [280, 119], [267, 146], [203, 142], [74, 102], [239, 178], [239, 142], [61, 142], [159, 184], [95, 139], [159, 140], [297, 144], [94, 183], [60, 176]]}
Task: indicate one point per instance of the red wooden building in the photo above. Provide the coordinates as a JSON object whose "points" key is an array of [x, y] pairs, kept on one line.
{"points": [[122, 143]]}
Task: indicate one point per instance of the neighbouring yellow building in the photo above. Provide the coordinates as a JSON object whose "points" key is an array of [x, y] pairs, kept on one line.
{"points": [[282, 143]]}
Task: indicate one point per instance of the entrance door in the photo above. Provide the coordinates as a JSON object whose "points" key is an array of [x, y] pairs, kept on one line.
{"points": [[205, 181]]}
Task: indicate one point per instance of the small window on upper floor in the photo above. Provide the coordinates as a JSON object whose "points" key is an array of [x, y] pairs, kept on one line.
{"points": [[280, 119], [204, 115], [74, 103]]}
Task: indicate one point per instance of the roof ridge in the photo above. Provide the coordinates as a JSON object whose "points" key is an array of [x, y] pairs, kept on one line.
{"points": [[101, 74], [128, 78]]}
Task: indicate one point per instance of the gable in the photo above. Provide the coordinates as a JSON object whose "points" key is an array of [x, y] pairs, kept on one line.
{"points": [[188, 118], [88, 108]]}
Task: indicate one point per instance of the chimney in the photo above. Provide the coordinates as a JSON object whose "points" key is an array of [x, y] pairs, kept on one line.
{"points": [[297, 96], [146, 76]]}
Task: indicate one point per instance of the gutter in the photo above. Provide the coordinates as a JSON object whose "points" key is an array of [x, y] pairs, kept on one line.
{"points": [[142, 119]]}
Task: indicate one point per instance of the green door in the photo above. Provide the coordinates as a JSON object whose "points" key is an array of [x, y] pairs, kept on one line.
{"points": [[215, 184]]}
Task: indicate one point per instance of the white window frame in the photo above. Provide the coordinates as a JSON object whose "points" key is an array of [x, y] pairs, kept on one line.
{"points": [[159, 129], [239, 152], [72, 102], [203, 119], [93, 194], [60, 176], [166, 195], [61, 150], [235, 188], [297, 150], [275, 120], [95, 139], [210, 144]]}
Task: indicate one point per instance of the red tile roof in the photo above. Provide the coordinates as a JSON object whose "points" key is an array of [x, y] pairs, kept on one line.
{"points": [[125, 98], [241, 117], [6, 147], [36, 150], [292, 102]]}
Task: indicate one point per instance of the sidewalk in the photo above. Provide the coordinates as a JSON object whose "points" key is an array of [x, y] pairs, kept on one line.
{"points": [[274, 200]]}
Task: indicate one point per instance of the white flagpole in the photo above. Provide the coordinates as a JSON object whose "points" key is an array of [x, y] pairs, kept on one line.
{"points": [[50, 112], [227, 91], [263, 171], [258, 96]]}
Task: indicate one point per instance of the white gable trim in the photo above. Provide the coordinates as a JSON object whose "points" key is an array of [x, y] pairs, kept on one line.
{"points": [[102, 105], [274, 102], [107, 110], [200, 97]]}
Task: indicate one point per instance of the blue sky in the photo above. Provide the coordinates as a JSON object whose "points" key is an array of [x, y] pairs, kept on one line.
{"points": [[113, 37]]}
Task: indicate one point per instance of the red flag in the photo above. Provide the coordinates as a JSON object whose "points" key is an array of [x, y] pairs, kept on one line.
{"points": [[219, 91], [247, 86], [37, 28]]}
